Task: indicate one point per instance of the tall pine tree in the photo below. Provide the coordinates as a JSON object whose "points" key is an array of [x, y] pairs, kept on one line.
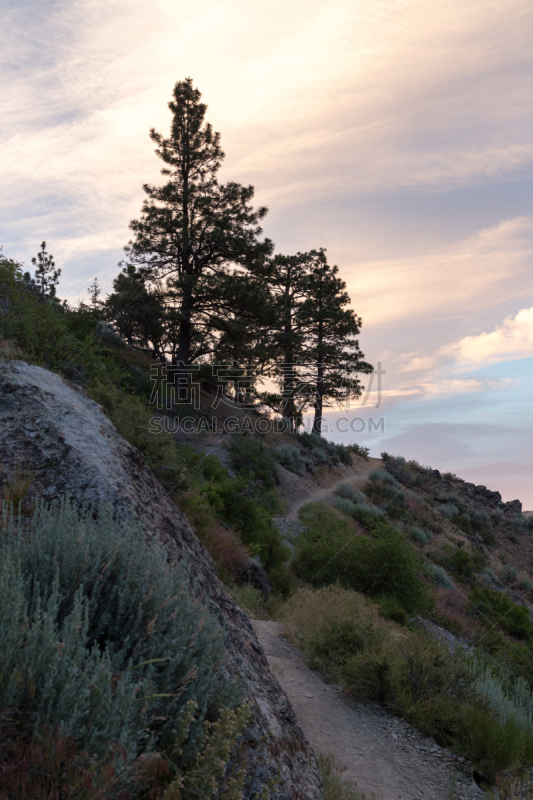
{"points": [[196, 236], [331, 329], [286, 280]]}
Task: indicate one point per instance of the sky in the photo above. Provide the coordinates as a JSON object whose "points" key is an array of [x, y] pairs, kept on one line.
{"points": [[398, 135]]}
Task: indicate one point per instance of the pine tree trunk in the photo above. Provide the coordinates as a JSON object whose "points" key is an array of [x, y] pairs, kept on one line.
{"points": [[288, 406], [185, 328], [318, 404], [319, 399]]}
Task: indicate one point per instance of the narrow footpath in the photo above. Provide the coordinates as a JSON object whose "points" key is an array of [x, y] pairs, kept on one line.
{"points": [[383, 755]]}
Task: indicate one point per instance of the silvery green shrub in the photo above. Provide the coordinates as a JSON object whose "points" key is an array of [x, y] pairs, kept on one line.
{"points": [[347, 491], [441, 577], [345, 505], [100, 635], [369, 512], [291, 458], [449, 510], [447, 497], [419, 535], [488, 574], [508, 574], [383, 476], [479, 516]]}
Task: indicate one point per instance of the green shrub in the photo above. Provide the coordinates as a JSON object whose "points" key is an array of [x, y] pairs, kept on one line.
{"points": [[494, 607], [488, 575], [477, 515], [251, 458], [389, 608], [348, 491], [236, 503], [449, 510], [447, 497], [383, 489], [419, 678], [513, 707], [382, 476], [441, 577], [508, 574], [480, 522], [330, 625], [366, 514], [100, 637], [292, 459], [344, 505], [359, 450], [383, 563], [323, 452], [419, 535], [492, 745]]}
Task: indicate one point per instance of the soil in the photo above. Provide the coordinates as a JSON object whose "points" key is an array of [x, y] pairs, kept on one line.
{"points": [[357, 476], [383, 755]]}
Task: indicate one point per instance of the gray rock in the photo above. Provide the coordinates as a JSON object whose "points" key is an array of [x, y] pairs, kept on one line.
{"points": [[72, 447]]}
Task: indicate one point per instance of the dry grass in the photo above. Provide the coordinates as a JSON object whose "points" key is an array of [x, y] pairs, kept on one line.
{"points": [[13, 494], [451, 606], [8, 350], [310, 609], [335, 787]]}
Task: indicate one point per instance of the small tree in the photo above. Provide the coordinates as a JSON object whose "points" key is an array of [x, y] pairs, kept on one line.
{"points": [[330, 336], [46, 276], [195, 236], [139, 315], [94, 293]]}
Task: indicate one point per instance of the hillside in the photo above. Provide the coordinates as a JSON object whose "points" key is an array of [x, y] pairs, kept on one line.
{"points": [[409, 589]]}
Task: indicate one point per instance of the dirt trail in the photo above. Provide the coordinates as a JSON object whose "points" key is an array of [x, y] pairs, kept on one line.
{"points": [[356, 478], [383, 754]]}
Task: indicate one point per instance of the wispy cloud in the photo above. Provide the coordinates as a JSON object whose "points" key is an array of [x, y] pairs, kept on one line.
{"points": [[510, 341]]}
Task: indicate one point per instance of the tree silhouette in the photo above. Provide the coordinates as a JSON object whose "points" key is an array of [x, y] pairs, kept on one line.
{"points": [[330, 330], [196, 237], [46, 276]]}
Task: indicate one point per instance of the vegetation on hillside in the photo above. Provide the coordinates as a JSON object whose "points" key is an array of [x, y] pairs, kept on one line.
{"points": [[89, 612], [112, 682]]}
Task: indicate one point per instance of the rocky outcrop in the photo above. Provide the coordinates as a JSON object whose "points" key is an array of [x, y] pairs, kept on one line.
{"points": [[51, 428], [491, 498]]}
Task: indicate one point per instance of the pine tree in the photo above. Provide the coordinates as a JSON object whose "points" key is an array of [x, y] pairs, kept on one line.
{"points": [[286, 279], [195, 236], [330, 337], [139, 315], [94, 293], [46, 276]]}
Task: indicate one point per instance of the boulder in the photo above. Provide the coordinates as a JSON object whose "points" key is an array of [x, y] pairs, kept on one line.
{"points": [[51, 428], [513, 507]]}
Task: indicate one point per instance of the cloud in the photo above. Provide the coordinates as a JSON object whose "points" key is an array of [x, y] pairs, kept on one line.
{"points": [[510, 341], [467, 276]]}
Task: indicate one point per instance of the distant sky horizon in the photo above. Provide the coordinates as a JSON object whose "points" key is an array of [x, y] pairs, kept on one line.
{"points": [[398, 135]]}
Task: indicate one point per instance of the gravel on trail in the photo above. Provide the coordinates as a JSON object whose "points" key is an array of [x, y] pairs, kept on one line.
{"points": [[384, 755]]}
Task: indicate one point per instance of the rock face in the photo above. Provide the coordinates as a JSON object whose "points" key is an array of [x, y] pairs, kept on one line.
{"points": [[52, 428]]}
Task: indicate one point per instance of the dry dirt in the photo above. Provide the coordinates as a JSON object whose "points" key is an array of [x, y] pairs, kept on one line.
{"points": [[383, 755], [357, 476]]}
